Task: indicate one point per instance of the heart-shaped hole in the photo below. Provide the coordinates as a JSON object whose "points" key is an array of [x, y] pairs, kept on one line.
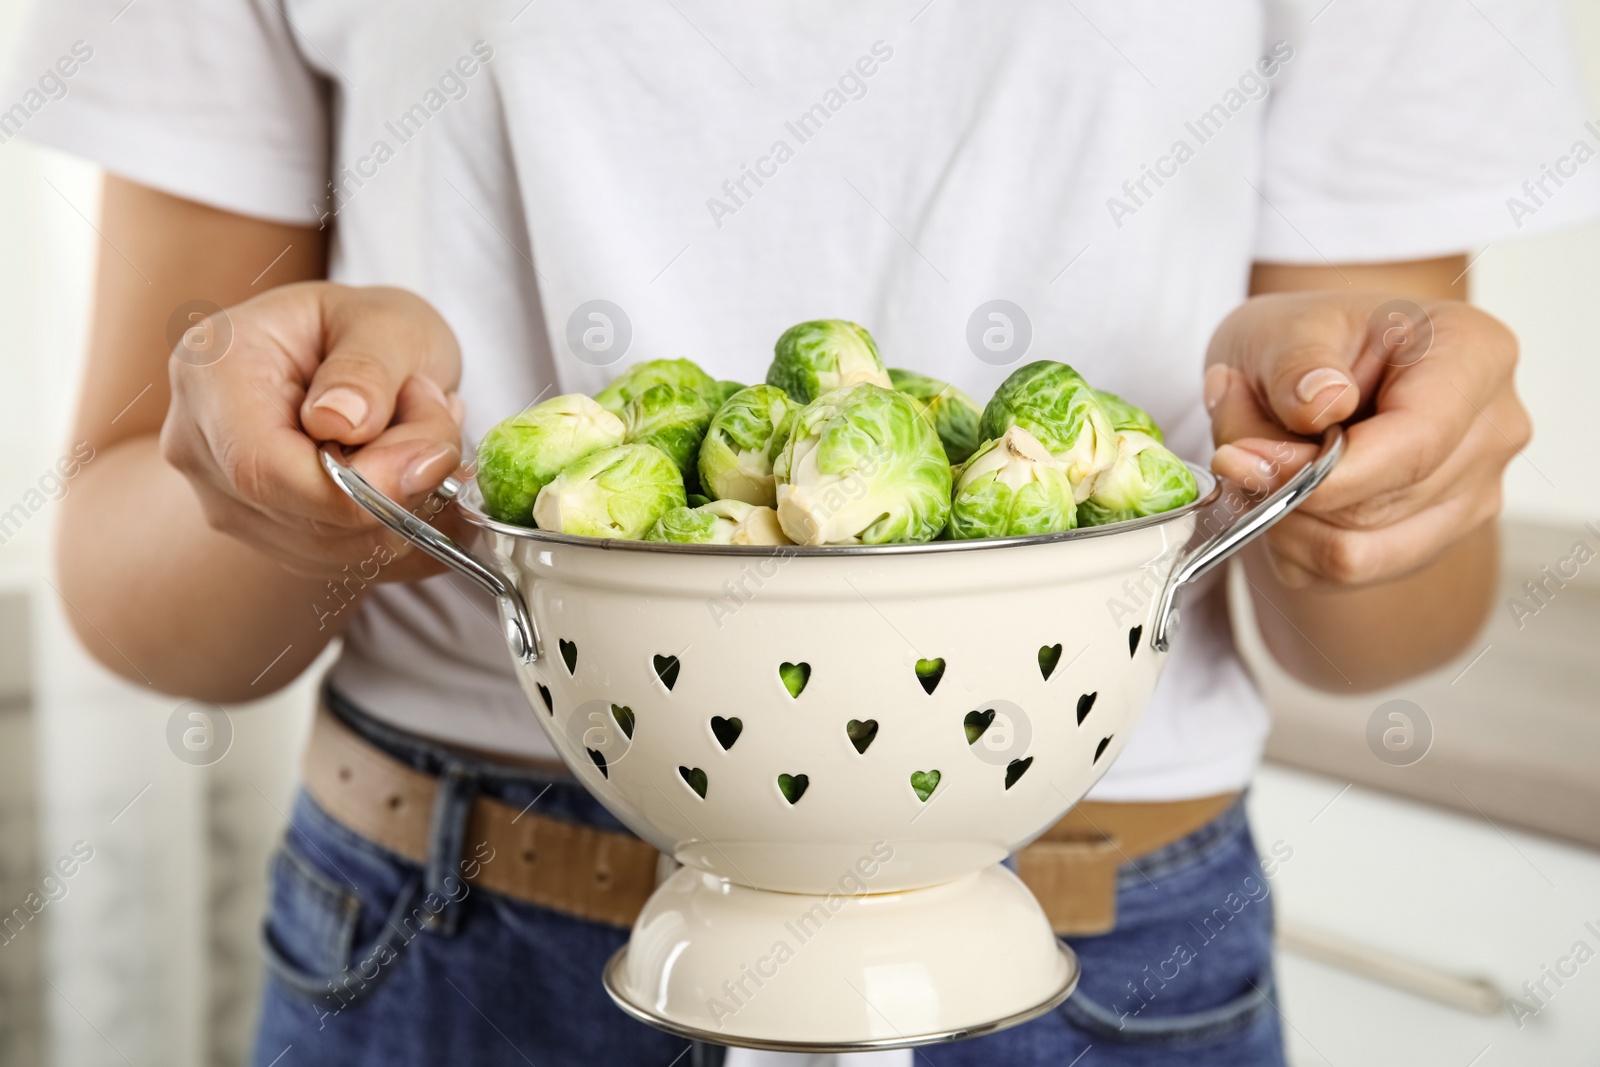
{"points": [[667, 670], [1133, 640], [929, 671], [569, 655], [1016, 769], [1100, 749], [793, 786], [696, 779], [861, 733], [624, 717], [976, 723], [1049, 656], [1085, 704], [923, 783], [599, 761], [726, 731], [544, 693], [795, 676]]}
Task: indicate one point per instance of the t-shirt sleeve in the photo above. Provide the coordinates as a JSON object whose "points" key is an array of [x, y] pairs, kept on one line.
{"points": [[211, 100], [1406, 129]]}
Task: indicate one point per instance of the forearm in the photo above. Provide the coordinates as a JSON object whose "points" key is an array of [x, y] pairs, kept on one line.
{"points": [[161, 598], [1345, 640]]}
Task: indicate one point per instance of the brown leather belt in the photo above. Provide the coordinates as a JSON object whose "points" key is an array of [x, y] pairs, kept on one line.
{"points": [[605, 876], [1072, 867], [600, 875]]}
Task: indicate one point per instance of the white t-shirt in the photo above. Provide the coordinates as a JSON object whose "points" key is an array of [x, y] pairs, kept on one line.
{"points": [[721, 170]]}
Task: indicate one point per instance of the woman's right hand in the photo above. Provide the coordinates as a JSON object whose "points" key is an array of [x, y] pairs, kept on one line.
{"points": [[373, 369]]}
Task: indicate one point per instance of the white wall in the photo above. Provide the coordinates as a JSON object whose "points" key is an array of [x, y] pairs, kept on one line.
{"points": [[1548, 289]]}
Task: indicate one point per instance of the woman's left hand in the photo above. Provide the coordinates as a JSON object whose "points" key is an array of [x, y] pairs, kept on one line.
{"points": [[1432, 419]]}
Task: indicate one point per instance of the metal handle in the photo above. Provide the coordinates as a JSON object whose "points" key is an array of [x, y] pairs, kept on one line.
{"points": [[1239, 526], [521, 632]]}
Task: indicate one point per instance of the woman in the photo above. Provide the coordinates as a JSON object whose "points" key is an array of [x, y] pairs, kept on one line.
{"points": [[417, 218]]}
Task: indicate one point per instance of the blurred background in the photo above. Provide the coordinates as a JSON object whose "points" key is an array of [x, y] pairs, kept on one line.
{"points": [[1444, 838]]}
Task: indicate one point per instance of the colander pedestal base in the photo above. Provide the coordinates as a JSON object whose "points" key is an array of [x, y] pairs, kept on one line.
{"points": [[715, 961]]}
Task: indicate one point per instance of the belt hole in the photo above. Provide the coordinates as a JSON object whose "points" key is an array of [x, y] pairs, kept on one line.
{"points": [[394, 802], [344, 774], [529, 855], [602, 877]]}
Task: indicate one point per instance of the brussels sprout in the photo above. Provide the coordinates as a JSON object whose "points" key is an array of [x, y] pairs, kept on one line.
{"points": [[862, 466], [671, 418], [1011, 487], [721, 522], [1146, 479], [682, 373], [736, 456], [615, 492], [1053, 402], [1124, 416], [818, 357], [725, 391], [955, 415], [519, 455]]}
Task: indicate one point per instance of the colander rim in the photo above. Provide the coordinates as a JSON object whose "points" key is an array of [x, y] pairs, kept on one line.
{"points": [[465, 501]]}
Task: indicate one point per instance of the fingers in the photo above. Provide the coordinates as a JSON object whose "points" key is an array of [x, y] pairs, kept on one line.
{"points": [[1425, 410], [420, 449], [376, 339], [237, 429], [1298, 353], [1308, 550], [1253, 450]]}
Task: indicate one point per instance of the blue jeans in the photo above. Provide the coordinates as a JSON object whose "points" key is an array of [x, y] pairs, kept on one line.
{"points": [[375, 960], [1185, 978]]}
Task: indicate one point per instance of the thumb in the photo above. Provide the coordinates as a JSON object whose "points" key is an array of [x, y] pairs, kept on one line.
{"points": [[375, 340], [1299, 354], [1307, 387]]}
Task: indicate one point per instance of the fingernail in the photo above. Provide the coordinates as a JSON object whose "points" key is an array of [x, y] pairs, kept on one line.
{"points": [[1217, 381], [429, 470], [458, 410], [1318, 381], [348, 404], [1233, 455]]}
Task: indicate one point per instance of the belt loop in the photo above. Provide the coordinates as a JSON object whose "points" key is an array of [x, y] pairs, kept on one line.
{"points": [[442, 882]]}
